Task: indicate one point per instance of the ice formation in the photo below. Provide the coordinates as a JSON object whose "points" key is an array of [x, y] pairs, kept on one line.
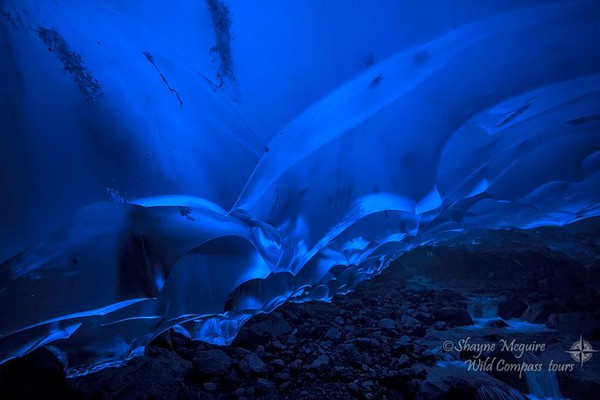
{"points": [[189, 165]]}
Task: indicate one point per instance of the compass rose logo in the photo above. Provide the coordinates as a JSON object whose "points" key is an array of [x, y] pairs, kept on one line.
{"points": [[581, 351]]}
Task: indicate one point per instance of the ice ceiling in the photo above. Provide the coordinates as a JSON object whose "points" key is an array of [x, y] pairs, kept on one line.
{"points": [[189, 164]]}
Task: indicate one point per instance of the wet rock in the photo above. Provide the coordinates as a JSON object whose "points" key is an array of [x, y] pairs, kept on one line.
{"points": [[512, 307], [320, 364], [282, 377], [296, 365], [211, 363], [454, 316], [353, 387], [538, 313], [409, 321], [264, 387], [161, 376], [387, 323], [404, 361], [252, 365], [349, 354], [333, 334], [496, 324], [261, 329], [163, 340], [574, 322]]}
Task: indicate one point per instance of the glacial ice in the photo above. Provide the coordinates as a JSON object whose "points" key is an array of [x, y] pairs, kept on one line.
{"points": [[190, 166]]}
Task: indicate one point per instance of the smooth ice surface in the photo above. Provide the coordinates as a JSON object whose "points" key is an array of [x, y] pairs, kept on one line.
{"points": [[189, 164]]}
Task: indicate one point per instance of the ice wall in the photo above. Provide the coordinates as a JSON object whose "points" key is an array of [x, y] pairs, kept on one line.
{"points": [[188, 165]]}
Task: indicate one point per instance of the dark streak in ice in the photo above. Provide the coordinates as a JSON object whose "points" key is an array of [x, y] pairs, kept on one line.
{"points": [[222, 27], [173, 91], [584, 120], [10, 19], [376, 81], [513, 115], [72, 63]]}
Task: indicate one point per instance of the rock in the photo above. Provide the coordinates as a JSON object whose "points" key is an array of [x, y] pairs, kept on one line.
{"points": [[260, 329], [161, 376], [365, 343], [278, 363], [496, 324], [404, 361], [574, 322], [211, 363], [296, 365], [320, 364], [252, 365], [387, 323], [449, 297], [37, 375], [270, 324], [185, 353], [210, 386], [321, 310], [163, 340], [409, 321], [439, 325], [404, 340], [454, 316], [264, 387], [512, 307], [333, 334], [538, 313], [248, 339], [278, 345], [231, 381], [368, 385], [349, 354], [282, 377], [353, 387]]}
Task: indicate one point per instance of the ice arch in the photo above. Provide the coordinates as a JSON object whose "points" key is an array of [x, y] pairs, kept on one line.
{"points": [[191, 166]]}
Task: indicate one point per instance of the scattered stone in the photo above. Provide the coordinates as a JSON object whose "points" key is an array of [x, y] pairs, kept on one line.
{"points": [[387, 323], [381, 341], [282, 377], [211, 363], [333, 334], [512, 307], [454, 316], [353, 387], [252, 365], [320, 363], [496, 324], [296, 365], [409, 321], [404, 361], [264, 387]]}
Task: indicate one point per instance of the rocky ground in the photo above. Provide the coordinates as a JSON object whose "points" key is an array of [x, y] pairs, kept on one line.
{"points": [[385, 340]]}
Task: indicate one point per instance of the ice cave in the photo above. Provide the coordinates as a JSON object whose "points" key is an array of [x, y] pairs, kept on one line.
{"points": [[188, 165]]}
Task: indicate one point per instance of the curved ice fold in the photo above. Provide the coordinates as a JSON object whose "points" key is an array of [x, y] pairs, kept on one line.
{"points": [[486, 119]]}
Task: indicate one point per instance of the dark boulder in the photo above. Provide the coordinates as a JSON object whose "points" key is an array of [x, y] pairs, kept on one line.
{"points": [[454, 316]]}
